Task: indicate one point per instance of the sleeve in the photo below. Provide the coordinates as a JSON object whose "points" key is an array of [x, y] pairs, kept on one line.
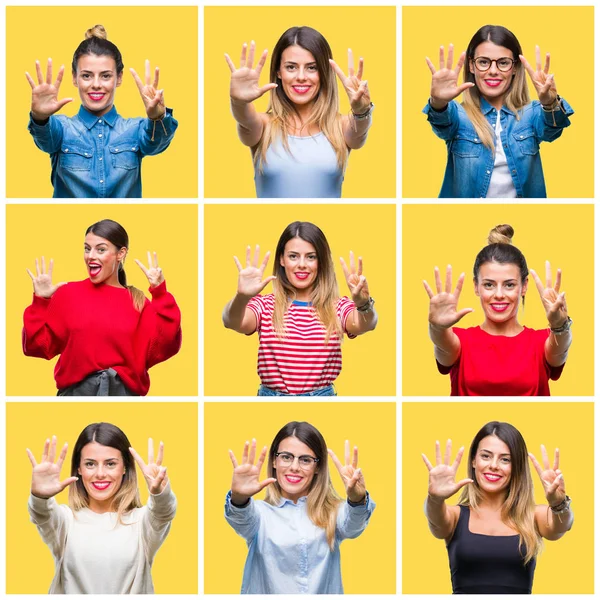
{"points": [[165, 340], [345, 306], [445, 122], [39, 337], [47, 137], [156, 522], [353, 520], [52, 521], [549, 125], [245, 521], [257, 306], [155, 136], [553, 373]]}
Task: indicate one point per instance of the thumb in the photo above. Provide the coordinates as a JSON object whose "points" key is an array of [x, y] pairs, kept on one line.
{"points": [[263, 484], [265, 88], [266, 282], [62, 102], [67, 482], [462, 483], [464, 87], [61, 284], [461, 313]]}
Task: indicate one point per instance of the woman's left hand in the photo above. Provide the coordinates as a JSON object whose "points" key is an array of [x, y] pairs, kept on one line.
{"points": [[544, 84], [153, 272], [154, 473], [352, 477], [356, 88], [554, 302], [552, 478], [154, 99], [357, 282]]}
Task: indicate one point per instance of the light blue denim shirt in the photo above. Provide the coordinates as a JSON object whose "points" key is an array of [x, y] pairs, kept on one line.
{"points": [[470, 163], [100, 157], [287, 552]]}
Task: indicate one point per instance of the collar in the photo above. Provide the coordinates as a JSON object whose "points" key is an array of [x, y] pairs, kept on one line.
{"points": [[301, 303], [89, 119], [283, 501], [486, 107]]}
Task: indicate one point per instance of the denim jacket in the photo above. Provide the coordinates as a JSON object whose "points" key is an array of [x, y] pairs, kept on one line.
{"points": [[470, 162], [100, 157]]}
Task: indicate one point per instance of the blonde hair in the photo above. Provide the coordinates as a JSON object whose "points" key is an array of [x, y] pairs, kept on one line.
{"points": [[96, 31]]}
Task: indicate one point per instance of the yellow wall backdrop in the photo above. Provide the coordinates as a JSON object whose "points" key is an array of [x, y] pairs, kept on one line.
{"points": [[368, 562], [438, 235], [567, 32], [166, 35], [368, 230], [58, 232], [565, 566], [28, 425], [371, 33]]}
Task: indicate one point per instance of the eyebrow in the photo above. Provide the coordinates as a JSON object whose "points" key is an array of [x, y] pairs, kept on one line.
{"points": [[490, 452], [101, 72], [494, 281], [291, 62], [100, 244], [107, 460]]}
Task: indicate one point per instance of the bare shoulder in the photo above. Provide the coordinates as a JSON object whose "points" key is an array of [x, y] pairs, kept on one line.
{"points": [[453, 515]]}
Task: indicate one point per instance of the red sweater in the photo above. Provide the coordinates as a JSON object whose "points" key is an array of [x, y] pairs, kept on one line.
{"points": [[497, 365], [96, 327]]}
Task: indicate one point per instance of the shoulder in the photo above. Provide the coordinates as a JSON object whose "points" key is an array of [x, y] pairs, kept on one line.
{"points": [[344, 302], [468, 332], [266, 300], [536, 334]]}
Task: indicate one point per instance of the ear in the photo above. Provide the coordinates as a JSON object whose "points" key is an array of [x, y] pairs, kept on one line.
{"points": [[524, 290], [122, 253], [119, 78], [475, 286], [471, 67], [78, 471], [74, 78], [281, 261]]}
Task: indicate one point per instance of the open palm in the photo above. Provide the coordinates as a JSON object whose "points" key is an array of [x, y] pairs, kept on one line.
{"points": [[442, 477]]}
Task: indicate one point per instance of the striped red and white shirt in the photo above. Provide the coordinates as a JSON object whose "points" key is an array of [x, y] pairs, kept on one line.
{"points": [[301, 361]]}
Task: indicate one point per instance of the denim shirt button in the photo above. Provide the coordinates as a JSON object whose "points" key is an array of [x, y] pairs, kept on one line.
{"points": [[100, 121], [99, 135], [521, 136], [488, 172], [66, 149], [102, 181], [100, 158], [475, 140], [514, 171]]}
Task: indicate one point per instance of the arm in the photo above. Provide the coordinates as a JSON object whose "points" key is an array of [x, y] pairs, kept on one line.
{"points": [[358, 321], [352, 519]]}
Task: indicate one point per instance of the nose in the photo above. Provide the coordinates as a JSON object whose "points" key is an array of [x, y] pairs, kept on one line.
{"points": [[100, 471], [302, 262], [499, 292], [494, 68], [295, 466], [92, 254], [96, 82], [494, 463], [301, 74]]}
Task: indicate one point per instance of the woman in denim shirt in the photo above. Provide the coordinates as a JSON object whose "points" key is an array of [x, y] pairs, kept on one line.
{"points": [[493, 137], [97, 153]]}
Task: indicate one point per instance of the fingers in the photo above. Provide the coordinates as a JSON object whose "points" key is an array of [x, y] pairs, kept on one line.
{"points": [[67, 482], [138, 459], [355, 457], [535, 463], [344, 268], [147, 71], [245, 453], [458, 458], [548, 275], [256, 256], [430, 65], [350, 63], [556, 457], [30, 274], [347, 452], [465, 86], [230, 63], [460, 63], [428, 289], [30, 80], [142, 267], [338, 71], [359, 286], [462, 483], [51, 268], [62, 456], [463, 312], [450, 57], [267, 87], [261, 61], [448, 453], [538, 282], [45, 452], [261, 458], [250, 61], [361, 64], [538, 59], [265, 482], [528, 67], [31, 457], [360, 266], [149, 257], [438, 280], [49, 72], [336, 461], [162, 474], [265, 262], [64, 101], [243, 56], [52, 454], [266, 282], [252, 455], [427, 463], [545, 460], [38, 70], [43, 265], [438, 453], [459, 286], [138, 81], [448, 289], [233, 459], [441, 57], [558, 480], [156, 76], [547, 65], [354, 479]]}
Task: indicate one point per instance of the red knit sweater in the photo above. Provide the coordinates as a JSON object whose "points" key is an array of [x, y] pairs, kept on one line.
{"points": [[96, 327]]}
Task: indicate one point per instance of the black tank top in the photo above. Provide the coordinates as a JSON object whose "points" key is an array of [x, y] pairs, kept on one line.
{"points": [[487, 564]]}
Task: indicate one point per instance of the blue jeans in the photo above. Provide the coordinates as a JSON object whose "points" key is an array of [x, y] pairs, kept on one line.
{"points": [[263, 390]]}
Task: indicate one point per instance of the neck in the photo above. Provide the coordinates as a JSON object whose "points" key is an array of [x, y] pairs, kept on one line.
{"points": [[492, 502], [496, 102], [507, 328], [100, 507]]}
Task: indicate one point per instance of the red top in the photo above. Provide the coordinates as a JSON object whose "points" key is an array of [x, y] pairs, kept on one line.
{"points": [[96, 327], [497, 365]]}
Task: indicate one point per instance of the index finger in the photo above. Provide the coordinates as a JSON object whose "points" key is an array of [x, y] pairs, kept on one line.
{"points": [[137, 80], [556, 457], [31, 457], [538, 282], [261, 61], [538, 59], [147, 71], [234, 461], [558, 280], [350, 62], [138, 459], [355, 457], [548, 275], [161, 453], [359, 272], [361, 64], [536, 464], [460, 63], [459, 286], [344, 268], [337, 70], [62, 456], [265, 262], [49, 72], [150, 451], [450, 57], [347, 452], [261, 458], [149, 259], [141, 266], [335, 460], [229, 63], [527, 66], [458, 458], [547, 65], [156, 74], [545, 460], [155, 259]]}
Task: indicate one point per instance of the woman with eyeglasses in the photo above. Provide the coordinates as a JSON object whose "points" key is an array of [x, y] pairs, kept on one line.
{"points": [[493, 138], [294, 535]]}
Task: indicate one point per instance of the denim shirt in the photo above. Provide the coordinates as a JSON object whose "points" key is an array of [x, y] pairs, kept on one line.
{"points": [[470, 162], [100, 157]]}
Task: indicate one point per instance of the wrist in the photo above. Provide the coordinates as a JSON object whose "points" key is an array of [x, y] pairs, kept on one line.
{"points": [[437, 500], [39, 117], [364, 306], [239, 501], [437, 105]]}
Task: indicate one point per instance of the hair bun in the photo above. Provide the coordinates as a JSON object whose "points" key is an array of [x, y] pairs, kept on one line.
{"points": [[501, 234], [96, 31]]}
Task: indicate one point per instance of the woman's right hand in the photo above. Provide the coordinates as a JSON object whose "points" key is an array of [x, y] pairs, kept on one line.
{"points": [[443, 311], [45, 478], [245, 482], [444, 82], [44, 95], [442, 477], [42, 282], [250, 278], [244, 81]]}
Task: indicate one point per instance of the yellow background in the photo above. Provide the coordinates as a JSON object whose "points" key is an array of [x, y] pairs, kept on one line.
{"points": [[29, 563], [371, 33], [566, 32], [454, 234], [368, 562], [58, 232], [166, 35], [565, 566], [369, 361]]}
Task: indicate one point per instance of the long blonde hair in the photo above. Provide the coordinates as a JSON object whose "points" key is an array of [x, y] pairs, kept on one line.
{"points": [[282, 111]]}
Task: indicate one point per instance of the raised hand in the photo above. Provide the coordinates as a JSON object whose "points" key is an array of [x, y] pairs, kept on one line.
{"points": [[154, 99], [250, 278], [246, 477], [42, 282], [444, 82], [44, 95], [442, 477], [153, 272], [154, 473], [357, 282], [443, 305], [356, 88], [45, 477], [552, 478], [244, 81], [544, 84], [555, 303], [351, 475]]}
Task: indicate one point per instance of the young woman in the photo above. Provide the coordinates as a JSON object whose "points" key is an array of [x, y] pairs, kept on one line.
{"points": [[300, 146], [301, 324], [294, 535], [493, 137], [501, 357], [495, 532], [108, 334], [97, 153], [104, 541]]}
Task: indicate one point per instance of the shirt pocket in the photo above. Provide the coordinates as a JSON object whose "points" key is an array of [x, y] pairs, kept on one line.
{"points": [[466, 145], [75, 158], [526, 141], [124, 155]]}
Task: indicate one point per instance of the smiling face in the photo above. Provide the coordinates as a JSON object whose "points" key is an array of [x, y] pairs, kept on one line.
{"points": [[492, 84], [299, 75], [301, 266], [102, 259], [101, 470], [97, 80], [294, 479], [492, 465]]}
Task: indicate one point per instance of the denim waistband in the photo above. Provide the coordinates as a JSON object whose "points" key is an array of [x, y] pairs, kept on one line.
{"points": [[329, 390]]}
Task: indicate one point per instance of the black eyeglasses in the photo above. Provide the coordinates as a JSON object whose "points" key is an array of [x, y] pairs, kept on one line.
{"points": [[305, 461], [504, 64]]}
